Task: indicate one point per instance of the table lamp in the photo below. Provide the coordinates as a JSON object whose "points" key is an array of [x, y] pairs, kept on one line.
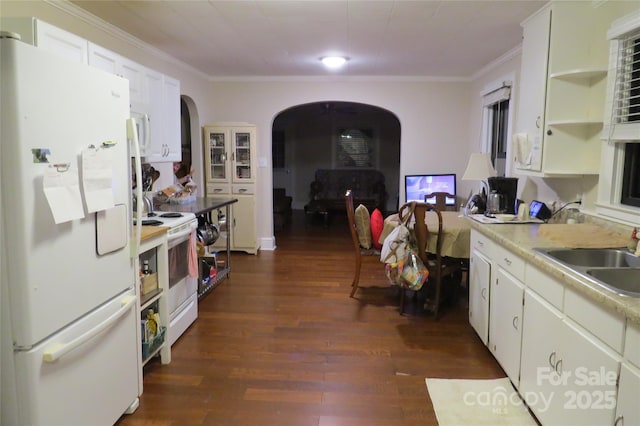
{"points": [[479, 168]]}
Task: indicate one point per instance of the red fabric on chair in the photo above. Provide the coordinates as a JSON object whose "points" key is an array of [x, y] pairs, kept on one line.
{"points": [[377, 224]]}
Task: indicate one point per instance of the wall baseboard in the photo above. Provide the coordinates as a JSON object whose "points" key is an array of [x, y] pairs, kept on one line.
{"points": [[268, 243]]}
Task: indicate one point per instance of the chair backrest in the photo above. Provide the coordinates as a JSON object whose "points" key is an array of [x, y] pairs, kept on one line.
{"points": [[441, 199], [351, 217], [420, 228]]}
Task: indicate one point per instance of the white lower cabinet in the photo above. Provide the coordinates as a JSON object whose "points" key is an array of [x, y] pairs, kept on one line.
{"points": [[628, 409], [590, 370], [479, 278], [567, 377], [505, 319], [540, 341], [572, 359], [243, 232]]}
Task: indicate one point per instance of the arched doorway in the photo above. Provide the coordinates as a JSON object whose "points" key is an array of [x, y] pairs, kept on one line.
{"points": [[307, 137], [190, 136]]}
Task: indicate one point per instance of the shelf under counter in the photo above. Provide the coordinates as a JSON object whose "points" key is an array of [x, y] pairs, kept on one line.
{"points": [[147, 299]]}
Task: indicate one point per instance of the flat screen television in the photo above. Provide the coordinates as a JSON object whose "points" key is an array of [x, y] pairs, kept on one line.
{"points": [[417, 186]]}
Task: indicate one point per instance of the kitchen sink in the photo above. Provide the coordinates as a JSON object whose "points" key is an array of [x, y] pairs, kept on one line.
{"points": [[614, 269], [596, 258], [624, 280]]}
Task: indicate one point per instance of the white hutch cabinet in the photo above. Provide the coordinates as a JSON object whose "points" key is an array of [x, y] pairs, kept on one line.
{"points": [[230, 171]]}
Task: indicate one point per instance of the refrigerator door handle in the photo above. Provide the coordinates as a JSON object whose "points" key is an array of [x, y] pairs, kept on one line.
{"points": [[58, 350], [132, 136]]}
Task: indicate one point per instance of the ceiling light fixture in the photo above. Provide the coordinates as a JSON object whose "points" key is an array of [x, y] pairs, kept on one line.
{"points": [[333, 61]]}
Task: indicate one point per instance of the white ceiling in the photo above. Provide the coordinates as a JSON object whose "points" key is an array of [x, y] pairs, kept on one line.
{"points": [[439, 38]]}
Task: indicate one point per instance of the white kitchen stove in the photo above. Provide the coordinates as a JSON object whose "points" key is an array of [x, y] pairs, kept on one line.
{"points": [[183, 288], [168, 219]]}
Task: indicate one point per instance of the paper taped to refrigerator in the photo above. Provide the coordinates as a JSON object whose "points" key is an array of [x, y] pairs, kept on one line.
{"points": [[62, 190], [97, 179]]}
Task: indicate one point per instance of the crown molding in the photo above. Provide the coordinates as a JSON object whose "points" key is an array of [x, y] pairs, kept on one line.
{"points": [[342, 78], [505, 57], [79, 13]]}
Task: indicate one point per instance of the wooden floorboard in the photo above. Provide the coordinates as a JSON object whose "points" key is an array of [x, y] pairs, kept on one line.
{"points": [[281, 343]]}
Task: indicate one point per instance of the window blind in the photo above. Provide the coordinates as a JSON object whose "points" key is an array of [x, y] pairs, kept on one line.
{"points": [[625, 110]]}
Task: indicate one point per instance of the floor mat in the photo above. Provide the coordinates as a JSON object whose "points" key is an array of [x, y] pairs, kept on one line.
{"points": [[477, 402]]}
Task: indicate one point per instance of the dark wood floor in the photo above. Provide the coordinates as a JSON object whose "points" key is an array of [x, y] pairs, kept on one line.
{"points": [[282, 343]]}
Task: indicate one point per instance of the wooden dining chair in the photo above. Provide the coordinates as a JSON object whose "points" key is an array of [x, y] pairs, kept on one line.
{"points": [[441, 199], [360, 252], [439, 266]]}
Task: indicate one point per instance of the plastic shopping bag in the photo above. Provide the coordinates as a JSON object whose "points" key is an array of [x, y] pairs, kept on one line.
{"points": [[414, 272], [394, 247]]}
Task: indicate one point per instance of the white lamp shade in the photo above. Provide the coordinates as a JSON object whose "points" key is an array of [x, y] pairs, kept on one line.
{"points": [[479, 167]]}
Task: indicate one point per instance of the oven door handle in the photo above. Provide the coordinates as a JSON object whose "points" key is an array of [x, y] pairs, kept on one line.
{"points": [[179, 235]]}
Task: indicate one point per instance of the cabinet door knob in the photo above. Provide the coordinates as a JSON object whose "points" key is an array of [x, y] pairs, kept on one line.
{"points": [[538, 122], [515, 322], [549, 132]]}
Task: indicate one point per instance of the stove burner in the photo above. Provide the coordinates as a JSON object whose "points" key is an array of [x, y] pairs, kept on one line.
{"points": [[171, 214], [151, 222]]}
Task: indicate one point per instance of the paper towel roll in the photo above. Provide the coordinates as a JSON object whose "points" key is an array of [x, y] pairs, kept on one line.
{"points": [[523, 212]]}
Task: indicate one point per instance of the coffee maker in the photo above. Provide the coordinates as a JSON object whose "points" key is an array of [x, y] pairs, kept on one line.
{"points": [[507, 188]]}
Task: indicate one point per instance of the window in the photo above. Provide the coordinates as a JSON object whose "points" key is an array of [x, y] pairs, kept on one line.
{"points": [[631, 175], [495, 123], [499, 113], [355, 148], [627, 101], [619, 184]]}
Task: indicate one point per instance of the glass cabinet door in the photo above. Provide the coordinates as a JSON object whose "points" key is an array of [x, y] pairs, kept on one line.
{"points": [[218, 156], [242, 157]]}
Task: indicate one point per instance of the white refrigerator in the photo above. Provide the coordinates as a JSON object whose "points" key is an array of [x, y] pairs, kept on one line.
{"points": [[67, 304]]}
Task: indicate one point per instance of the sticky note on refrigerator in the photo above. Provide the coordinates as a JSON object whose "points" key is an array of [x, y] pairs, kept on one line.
{"points": [[97, 179], [61, 186]]}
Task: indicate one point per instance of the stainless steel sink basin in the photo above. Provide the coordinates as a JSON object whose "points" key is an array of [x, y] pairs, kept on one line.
{"points": [[624, 280], [595, 258], [616, 270]]}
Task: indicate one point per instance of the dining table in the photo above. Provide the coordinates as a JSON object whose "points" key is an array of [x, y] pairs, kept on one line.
{"points": [[456, 232]]}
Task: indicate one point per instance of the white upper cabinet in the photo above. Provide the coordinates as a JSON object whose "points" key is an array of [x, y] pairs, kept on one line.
{"points": [[113, 63], [172, 121], [104, 59], [562, 90], [163, 109], [133, 72], [48, 37], [154, 96]]}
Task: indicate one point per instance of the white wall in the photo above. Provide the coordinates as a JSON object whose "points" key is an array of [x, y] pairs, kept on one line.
{"points": [[433, 118]]}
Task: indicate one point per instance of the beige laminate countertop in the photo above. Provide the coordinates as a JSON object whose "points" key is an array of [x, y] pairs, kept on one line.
{"points": [[522, 239], [152, 231]]}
